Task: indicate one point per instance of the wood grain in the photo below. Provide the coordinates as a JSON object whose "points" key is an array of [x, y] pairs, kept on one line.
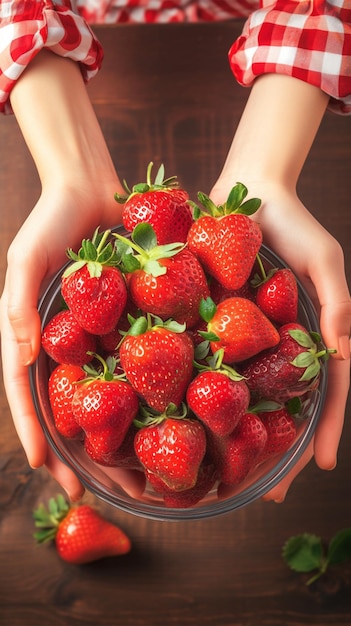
{"points": [[166, 94]]}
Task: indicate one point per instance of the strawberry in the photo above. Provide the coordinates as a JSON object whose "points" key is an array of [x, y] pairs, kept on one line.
{"points": [[281, 432], [238, 327], [93, 286], [206, 479], [172, 448], [277, 294], [160, 203], [157, 361], [80, 533], [289, 369], [226, 240], [65, 341], [218, 396], [167, 281], [61, 386], [104, 406], [237, 454]]}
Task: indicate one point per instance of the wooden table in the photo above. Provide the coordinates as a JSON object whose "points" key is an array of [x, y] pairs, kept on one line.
{"points": [[166, 94]]}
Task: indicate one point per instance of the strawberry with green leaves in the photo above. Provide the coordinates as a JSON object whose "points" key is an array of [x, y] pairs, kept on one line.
{"points": [[65, 341], [158, 361], [171, 446], [167, 281], [80, 533], [93, 287], [225, 239], [61, 387], [218, 395], [237, 326], [277, 294], [160, 203], [104, 405], [288, 370]]}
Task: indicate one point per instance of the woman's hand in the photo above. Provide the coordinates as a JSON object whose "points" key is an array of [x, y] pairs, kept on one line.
{"points": [[267, 154]]}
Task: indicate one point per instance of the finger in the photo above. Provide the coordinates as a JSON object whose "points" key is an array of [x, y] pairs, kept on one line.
{"points": [[64, 476], [278, 493], [329, 430]]}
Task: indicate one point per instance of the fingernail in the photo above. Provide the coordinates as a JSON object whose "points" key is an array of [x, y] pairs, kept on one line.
{"points": [[344, 347], [25, 353]]}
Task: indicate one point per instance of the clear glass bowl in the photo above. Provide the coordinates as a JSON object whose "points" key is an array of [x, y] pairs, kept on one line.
{"points": [[106, 482]]}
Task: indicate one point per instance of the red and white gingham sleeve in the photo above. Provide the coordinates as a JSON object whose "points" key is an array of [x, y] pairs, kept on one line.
{"points": [[27, 27], [307, 39]]}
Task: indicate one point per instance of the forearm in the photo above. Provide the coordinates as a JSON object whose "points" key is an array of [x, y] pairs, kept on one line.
{"points": [[59, 124], [276, 132]]}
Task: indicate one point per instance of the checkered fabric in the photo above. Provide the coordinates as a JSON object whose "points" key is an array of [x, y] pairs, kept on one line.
{"points": [[307, 39]]}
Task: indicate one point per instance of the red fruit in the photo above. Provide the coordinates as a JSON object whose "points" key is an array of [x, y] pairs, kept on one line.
{"points": [[218, 401], [172, 450], [176, 294], [80, 533], [241, 328], [290, 369], [277, 296], [104, 408], [158, 363], [237, 454], [218, 293], [65, 341], [61, 386], [161, 205], [206, 479], [281, 432], [227, 241], [93, 288]]}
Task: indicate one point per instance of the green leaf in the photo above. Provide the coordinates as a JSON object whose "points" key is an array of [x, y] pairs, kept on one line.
{"points": [[154, 268], [144, 236], [302, 338], [339, 549], [236, 196], [207, 309], [160, 175], [95, 269], [304, 553], [250, 206], [138, 327], [130, 263], [304, 359]]}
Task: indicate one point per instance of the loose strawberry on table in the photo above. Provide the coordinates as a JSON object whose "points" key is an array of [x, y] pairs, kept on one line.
{"points": [[160, 203], [80, 533]]}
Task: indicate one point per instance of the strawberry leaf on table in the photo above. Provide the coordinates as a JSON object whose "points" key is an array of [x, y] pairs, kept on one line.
{"points": [[306, 553]]}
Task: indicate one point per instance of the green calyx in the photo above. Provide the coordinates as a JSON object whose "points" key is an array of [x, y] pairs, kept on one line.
{"points": [[309, 360], [143, 323], [95, 253], [160, 183], [261, 279], [142, 252], [235, 203], [48, 518], [214, 363], [149, 417], [105, 373]]}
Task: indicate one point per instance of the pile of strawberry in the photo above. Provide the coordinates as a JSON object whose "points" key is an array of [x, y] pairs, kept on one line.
{"points": [[178, 352]]}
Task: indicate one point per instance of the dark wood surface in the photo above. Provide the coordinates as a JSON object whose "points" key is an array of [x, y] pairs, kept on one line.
{"points": [[166, 94]]}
